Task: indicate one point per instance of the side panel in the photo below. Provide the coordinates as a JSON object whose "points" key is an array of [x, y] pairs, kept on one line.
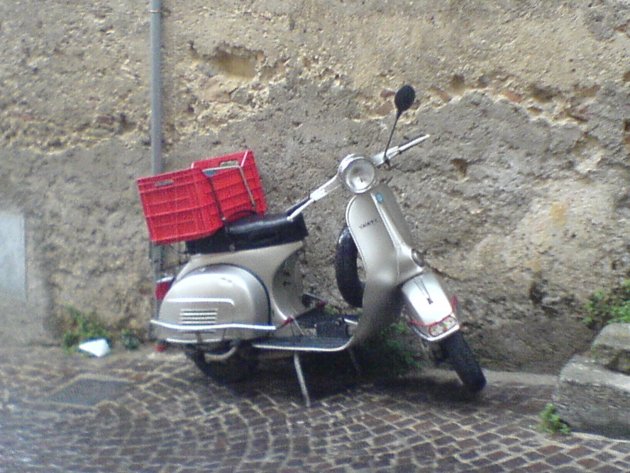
{"points": [[214, 296], [274, 266]]}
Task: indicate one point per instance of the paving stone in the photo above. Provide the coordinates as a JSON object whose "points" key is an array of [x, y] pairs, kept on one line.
{"points": [[609, 469], [567, 469], [538, 467]]}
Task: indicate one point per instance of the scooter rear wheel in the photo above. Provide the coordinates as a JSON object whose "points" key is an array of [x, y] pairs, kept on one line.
{"points": [[232, 370], [464, 362]]}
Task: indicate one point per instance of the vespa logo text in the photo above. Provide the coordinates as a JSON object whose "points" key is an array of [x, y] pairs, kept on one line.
{"points": [[368, 223]]}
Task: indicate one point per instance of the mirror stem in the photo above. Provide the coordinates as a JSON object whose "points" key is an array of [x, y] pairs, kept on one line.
{"points": [[389, 141]]}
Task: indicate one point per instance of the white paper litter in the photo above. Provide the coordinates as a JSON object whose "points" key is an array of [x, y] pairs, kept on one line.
{"points": [[97, 348]]}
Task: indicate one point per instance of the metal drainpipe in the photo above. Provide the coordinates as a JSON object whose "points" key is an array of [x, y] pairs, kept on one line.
{"points": [[155, 10], [156, 87]]}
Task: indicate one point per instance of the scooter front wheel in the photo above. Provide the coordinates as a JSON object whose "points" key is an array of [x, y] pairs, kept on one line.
{"points": [[464, 362], [234, 369], [349, 282]]}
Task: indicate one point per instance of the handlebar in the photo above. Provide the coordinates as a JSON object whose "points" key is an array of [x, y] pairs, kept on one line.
{"points": [[380, 159], [332, 184]]}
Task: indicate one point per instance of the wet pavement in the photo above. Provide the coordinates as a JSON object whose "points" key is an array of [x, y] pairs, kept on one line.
{"points": [[154, 412]]}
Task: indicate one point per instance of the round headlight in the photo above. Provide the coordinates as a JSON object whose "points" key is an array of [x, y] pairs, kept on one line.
{"points": [[357, 173]]}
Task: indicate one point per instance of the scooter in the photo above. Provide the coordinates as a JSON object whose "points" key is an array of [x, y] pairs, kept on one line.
{"points": [[240, 296]]}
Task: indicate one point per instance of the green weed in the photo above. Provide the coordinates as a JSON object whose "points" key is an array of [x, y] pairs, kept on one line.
{"points": [[551, 422], [130, 339], [82, 327], [609, 307], [389, 353]]}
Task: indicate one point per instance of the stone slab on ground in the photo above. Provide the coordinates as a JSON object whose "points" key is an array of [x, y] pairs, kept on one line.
{"points": [[611, 348], [593, 399]]}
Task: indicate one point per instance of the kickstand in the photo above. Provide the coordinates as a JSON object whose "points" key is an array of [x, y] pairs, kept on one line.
{"points": [[354, 360], [300, 375]]}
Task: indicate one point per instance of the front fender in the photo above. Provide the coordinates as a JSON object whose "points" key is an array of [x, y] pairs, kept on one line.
{"points": [[431, 311]]}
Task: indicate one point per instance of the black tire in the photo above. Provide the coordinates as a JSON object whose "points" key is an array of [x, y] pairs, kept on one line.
{"points": [[235, 369], [464, 362], [346, 269]]}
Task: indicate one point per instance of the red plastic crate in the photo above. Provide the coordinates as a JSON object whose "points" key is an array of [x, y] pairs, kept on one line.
{"points": [[194, 203], [235, 180], [178, 206]]}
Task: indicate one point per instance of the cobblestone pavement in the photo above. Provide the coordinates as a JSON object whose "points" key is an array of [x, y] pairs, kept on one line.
{"points": [[149, 412]]}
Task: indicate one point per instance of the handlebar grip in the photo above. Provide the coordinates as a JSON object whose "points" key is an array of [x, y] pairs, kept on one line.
{"points": [[412, 143], [380, 158]]}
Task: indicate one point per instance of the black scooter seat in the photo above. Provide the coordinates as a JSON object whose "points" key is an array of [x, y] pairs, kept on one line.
{"points": [[256, 231]]}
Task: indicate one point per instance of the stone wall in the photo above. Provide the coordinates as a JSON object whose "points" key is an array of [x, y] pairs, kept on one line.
{"points": [[520, 198]]}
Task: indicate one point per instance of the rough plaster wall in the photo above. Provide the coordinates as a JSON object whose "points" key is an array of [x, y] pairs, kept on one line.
{"points": [[73, 113], [520, 198]]}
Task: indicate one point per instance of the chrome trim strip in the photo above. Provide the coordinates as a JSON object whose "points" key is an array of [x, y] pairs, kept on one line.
{"points": [[309, 349], [212, 328], [207, 300]]}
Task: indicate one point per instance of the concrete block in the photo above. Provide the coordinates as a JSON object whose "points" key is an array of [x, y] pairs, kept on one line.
{"points": [[611, 348], [593, 399]]}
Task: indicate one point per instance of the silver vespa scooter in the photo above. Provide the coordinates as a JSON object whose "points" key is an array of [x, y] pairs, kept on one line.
{"points": [[240, 295]]}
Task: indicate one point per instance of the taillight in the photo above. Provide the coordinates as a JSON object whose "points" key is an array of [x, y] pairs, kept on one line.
{"points": [[162, 286]]}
